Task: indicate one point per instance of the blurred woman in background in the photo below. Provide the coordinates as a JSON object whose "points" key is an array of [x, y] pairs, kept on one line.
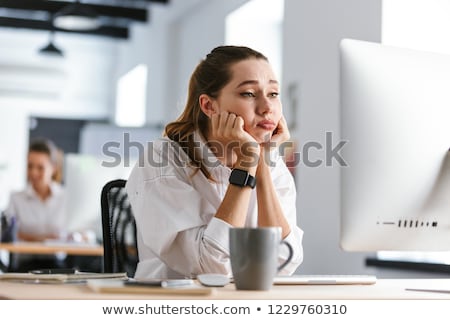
{"points": [[38, 213], [39, 210]]}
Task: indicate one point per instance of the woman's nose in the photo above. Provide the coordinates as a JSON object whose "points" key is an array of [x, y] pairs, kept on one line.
{"points": [[265, 105]]}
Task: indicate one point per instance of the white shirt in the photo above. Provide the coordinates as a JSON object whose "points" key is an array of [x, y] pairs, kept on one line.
{"points": [[177, 233], [35, 216]]}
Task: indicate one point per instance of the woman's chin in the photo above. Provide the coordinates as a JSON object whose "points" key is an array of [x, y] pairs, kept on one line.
{"points": [[263, 138], [38, 185]]}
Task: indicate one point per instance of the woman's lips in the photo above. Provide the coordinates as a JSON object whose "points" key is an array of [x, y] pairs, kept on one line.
{"points": [[267, 125]]}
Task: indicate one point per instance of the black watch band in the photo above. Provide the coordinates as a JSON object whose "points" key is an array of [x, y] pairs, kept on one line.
{"points": [[242, 178]]}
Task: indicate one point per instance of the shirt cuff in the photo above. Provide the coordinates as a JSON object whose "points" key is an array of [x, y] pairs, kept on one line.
{"points": [[217, 232], [295, 242]]}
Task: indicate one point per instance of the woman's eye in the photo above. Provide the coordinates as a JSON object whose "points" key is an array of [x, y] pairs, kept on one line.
{"points": [[247, 94], [274, 94]]}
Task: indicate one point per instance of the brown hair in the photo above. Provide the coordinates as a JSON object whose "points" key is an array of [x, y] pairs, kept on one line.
{"points": [[209, 77], [47, 146]]}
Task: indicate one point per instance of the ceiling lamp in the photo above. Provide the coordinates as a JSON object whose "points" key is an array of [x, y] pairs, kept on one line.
{"points": [[50, 49], [76, 16]]}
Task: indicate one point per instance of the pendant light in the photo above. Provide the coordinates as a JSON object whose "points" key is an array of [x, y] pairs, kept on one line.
{"points": [[50, 49], [76, 16]]}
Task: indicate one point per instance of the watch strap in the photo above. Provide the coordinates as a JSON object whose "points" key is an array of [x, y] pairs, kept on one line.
{"points": [[251, 181]]}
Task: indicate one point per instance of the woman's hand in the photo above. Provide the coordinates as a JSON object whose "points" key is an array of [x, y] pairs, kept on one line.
{"points": [[281, 133], [227, 130]]}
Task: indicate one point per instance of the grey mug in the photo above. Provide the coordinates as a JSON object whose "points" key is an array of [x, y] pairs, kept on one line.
{"points": [[254, 256]]}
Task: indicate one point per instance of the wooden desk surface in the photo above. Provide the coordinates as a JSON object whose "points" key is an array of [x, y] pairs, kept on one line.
{"points": [[383, 289], [52, 248]]}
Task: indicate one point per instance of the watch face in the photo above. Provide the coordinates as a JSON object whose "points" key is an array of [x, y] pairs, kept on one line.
{"points": [[238, 177]]}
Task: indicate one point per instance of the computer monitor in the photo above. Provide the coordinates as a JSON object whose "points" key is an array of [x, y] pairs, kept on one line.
{"points": [[85, 175], [395, 117]]}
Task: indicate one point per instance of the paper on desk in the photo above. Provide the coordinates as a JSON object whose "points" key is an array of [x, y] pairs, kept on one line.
{"points": [[61, 278]]}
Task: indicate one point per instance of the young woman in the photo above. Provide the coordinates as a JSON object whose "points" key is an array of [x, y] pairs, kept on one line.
{"points": [[39, 210], [217, 168]]}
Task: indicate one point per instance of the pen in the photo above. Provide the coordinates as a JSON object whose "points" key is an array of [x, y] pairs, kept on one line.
{"points": [[429, 290]]}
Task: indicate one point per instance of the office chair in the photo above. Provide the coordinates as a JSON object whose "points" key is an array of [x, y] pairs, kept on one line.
{"points": [[119, 229]]}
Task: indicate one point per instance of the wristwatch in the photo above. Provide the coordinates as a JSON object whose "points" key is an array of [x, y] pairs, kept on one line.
{"points": [[242, 178]]}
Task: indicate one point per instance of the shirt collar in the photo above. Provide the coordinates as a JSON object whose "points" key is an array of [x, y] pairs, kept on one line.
{"points": [[55, 189]]}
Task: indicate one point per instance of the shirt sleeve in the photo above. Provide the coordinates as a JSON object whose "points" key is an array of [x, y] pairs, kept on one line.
{"points": [[179, 227]]}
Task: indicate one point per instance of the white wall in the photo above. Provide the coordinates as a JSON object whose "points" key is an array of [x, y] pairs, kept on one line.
{"points": [[13, 142], [312, 31], [258, 24], [417, 24], [148, 45]]}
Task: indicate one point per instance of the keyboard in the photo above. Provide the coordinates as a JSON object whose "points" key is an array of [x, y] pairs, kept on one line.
{"points": [[325, 279]]}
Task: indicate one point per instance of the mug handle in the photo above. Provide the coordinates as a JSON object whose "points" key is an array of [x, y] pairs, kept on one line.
{"points": [[291, 253]]}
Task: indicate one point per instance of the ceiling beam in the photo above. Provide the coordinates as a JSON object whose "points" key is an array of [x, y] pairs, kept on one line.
{"points": [[108, 31], [116, 15], [131, 13]]}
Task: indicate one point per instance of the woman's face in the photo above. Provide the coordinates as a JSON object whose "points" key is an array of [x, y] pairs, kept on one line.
{"points": [[40, 169], [253, 94]]}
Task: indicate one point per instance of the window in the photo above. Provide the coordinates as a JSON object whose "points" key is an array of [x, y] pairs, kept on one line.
{"points": [[131, 98], [258, 24]]}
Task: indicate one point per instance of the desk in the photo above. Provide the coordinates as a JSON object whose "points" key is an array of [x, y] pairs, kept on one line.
{"points": [[383, 289], [53, 248]]}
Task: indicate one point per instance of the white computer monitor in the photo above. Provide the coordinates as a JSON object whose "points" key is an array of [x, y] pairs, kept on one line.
{"points": [[395, 117], [85, 175]]}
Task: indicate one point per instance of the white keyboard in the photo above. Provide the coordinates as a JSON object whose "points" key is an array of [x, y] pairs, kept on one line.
{"points": [[325, 279]]}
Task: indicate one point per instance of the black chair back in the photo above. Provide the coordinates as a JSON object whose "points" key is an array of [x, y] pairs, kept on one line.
{"points": [[119, 229]]}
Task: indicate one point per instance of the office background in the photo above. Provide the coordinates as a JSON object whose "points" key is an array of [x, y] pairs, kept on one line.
{"points": [[83, 84]]}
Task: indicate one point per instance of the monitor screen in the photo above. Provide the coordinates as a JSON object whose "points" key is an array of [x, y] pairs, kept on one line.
{"points": [[85, 176], [395, 112]]}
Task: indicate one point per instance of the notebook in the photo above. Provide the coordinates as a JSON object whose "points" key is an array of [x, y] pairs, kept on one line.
{"points": [[156, 287], [60, 277], [325, 279]]}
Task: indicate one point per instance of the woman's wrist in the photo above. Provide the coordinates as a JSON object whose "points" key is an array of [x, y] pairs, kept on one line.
{"points": [[247, 165], [263, 168], [248, 160], [249, 152]]}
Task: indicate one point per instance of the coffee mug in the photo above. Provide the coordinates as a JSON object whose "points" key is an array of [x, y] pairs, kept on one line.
{"points": [[254, 256]]}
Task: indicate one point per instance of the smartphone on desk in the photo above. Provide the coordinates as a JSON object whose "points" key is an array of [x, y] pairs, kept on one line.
{"points": [[166, 283]]}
